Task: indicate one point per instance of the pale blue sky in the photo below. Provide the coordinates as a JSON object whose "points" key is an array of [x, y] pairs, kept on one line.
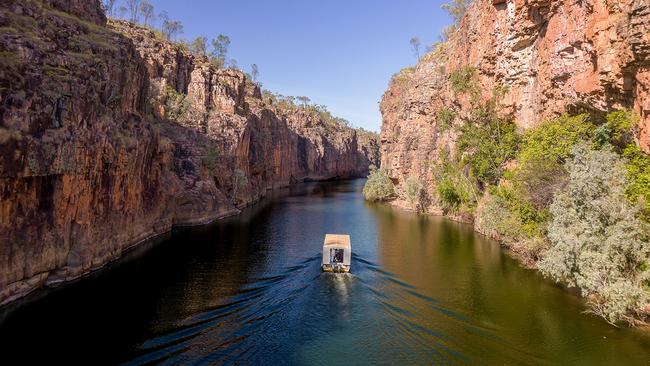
{"points": [[340, 53]]}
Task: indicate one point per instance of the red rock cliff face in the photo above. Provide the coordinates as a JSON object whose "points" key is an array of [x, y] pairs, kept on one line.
{"points": [[92, 163], [270, 145], [553, 56]]}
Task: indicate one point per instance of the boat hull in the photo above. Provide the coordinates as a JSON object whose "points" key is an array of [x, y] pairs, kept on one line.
{"points": [[335, 269]]}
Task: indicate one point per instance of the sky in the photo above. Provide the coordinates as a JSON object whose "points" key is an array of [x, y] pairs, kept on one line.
{"points": [[339, 53]]}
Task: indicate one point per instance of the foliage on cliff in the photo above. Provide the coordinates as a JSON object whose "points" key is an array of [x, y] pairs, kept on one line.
{"points": [[598, 243], [575, 203], [379, 187]]}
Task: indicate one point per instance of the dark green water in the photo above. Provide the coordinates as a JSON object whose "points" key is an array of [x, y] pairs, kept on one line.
{"points": [[249, 290]]}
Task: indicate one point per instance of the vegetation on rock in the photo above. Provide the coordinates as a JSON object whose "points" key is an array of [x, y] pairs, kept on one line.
{"points": [[487, 141], [598, 244], [379, 187], [413, 190], [456, 190]]}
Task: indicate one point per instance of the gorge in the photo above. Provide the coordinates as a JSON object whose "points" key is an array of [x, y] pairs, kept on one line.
{"points": [[159, 206], [111, 135]]}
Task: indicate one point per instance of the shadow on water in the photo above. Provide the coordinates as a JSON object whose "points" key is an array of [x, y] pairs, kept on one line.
{"points": [[249, 290]]}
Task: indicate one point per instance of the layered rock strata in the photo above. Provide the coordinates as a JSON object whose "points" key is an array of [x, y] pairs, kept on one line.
{"points": [[552, 57]]}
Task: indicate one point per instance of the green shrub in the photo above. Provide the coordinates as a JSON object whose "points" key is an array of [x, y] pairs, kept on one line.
{"points": [[176, 105], [597, 243], [497, 220], [536, 181], [531, 221], [554, 140], [540, 170], [638, 174], [618, 130], [448, 194], [463, 80], [454, 188], [413, 190], [210, 160], [487, 143], [379, 187], [445, 118]]}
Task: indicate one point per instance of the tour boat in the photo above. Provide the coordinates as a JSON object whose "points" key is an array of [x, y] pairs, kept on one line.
{"points": [[337, 253]]}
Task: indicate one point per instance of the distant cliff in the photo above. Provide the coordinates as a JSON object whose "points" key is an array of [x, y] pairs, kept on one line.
{"points": [[110, 135]]}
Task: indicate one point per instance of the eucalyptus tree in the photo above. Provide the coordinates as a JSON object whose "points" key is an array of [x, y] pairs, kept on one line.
{"points": [[134, 9], [415, 46], [148, 13]]}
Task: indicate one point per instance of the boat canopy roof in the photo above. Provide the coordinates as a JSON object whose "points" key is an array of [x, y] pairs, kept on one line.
{"points": [[337, 240]]}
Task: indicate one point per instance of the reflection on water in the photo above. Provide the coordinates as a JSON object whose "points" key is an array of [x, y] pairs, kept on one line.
{"points": [[250, 290]]}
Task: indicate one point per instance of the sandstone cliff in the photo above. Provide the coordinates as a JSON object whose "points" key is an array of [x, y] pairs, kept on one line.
{"points": [[487, 128], [552, 56], [110, 135]]}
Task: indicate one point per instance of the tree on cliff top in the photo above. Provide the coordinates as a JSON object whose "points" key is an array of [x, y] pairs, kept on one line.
{"points": [[199, 46], [304, 101], [255, 72], [170, 28], [148, 13], [457, 10], [134, 9], [220, 49], [415, 45]]}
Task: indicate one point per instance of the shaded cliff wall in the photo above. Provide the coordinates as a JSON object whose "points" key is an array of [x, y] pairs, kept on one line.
{"points": [[91, 162], [553, 57]]}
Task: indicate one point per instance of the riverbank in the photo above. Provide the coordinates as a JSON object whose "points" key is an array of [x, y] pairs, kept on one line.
{"points": [[30, 291], [527, 255], [525, 258], [548, 160]]}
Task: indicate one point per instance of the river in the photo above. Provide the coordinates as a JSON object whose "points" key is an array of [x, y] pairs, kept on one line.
{"points": [[249, 290]]}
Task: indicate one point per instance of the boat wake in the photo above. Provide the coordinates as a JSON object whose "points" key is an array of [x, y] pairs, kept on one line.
{"points": [[301, 308]]}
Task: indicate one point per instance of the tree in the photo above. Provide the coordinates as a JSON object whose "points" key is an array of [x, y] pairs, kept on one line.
{"points": [[415, 45], [304, 101], [163, 16], [457, 9], [199, 46], [254, 72], [121, 12], [134, 9], [379, 187], [413, 190], [239, 181], [108, 6], [220, 49], [597, 242], [148, 13], [488, 140], [171, 28]]}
